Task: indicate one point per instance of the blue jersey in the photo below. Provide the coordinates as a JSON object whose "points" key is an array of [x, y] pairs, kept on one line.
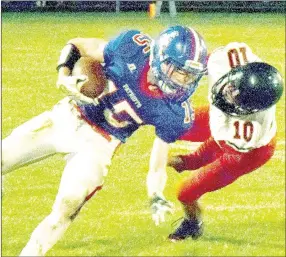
{"points": [[126, 104]]}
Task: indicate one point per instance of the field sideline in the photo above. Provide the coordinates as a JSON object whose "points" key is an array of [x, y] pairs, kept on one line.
{"points": [[246, 218]]}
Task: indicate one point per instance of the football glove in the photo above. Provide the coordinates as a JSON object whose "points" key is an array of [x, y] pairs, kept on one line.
{"points": [[159, 207], [71, 86]]}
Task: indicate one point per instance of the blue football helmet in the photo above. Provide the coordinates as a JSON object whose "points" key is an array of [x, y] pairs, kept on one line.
{"points": [[178, 61]]}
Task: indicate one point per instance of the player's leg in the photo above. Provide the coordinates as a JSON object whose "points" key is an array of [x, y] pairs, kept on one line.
{"points": [[199, 182], [82, 177], [199, 132], [158, 8], [172, 8], [216, 175], [192, 225], [237, 164], [205, 154], [28, 143]]}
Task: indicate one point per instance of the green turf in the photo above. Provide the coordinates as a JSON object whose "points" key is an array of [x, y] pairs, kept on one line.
{"points": [[246, 218]]}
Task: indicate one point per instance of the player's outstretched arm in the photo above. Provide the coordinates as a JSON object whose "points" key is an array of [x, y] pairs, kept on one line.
{"points": [[156, 181]]}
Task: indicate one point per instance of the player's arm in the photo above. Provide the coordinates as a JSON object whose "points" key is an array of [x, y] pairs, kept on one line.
{"points": [[167, 131], [80, 47], [156, 180], [70, 54]]}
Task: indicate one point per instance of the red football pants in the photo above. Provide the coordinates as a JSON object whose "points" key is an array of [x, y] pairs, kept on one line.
{"points": [[216, 166]]}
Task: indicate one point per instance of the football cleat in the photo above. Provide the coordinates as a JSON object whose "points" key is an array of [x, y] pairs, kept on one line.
{"points": [[188, 228]]}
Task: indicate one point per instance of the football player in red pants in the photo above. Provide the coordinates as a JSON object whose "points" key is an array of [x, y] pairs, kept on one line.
{"points": [[238, 130]]}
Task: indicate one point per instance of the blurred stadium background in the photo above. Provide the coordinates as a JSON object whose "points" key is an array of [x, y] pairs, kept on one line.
{"points": [[117, 5], [246, 218]]}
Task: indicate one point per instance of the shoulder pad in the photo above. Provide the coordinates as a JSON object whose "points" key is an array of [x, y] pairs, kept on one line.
{"points": [[130, 42]]}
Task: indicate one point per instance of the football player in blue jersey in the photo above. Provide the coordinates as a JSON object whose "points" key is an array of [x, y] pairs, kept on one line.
{"points": [[149, 83]]}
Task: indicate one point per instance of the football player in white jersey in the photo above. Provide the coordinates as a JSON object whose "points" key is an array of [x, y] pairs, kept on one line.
{"points": [[238, 129]]}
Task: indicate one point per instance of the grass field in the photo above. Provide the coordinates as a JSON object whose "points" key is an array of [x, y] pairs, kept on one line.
{"points": [[246, 218]]}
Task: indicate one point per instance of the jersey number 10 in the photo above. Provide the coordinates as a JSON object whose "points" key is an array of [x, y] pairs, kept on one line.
{"points": [[237, 57], [247, 130]]}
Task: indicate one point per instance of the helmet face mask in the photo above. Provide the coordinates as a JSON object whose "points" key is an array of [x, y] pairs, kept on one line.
{"points": [[173, 62], [177, 75], [230, 93], [247, 89]]}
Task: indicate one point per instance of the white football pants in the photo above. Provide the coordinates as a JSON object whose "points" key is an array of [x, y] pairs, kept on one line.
{"points": [[89, 154]]}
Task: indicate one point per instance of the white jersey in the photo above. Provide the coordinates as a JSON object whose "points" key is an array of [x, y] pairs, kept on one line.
{"points": [[246, 132]]}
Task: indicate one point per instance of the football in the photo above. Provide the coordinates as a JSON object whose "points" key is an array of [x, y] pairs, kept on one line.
{"points": [[96, 77]]}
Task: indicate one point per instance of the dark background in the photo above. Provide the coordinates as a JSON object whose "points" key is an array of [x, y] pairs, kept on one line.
{"points": [[182, 6]]}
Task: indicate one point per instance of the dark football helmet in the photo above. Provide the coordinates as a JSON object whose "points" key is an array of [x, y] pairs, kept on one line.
{"points": [[247, 89]]}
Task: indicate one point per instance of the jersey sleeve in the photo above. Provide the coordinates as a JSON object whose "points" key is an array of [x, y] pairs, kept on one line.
{"points": [[126, 45]]}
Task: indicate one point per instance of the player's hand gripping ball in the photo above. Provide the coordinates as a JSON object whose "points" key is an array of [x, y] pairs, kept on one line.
{"points": [[96, 82]]}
